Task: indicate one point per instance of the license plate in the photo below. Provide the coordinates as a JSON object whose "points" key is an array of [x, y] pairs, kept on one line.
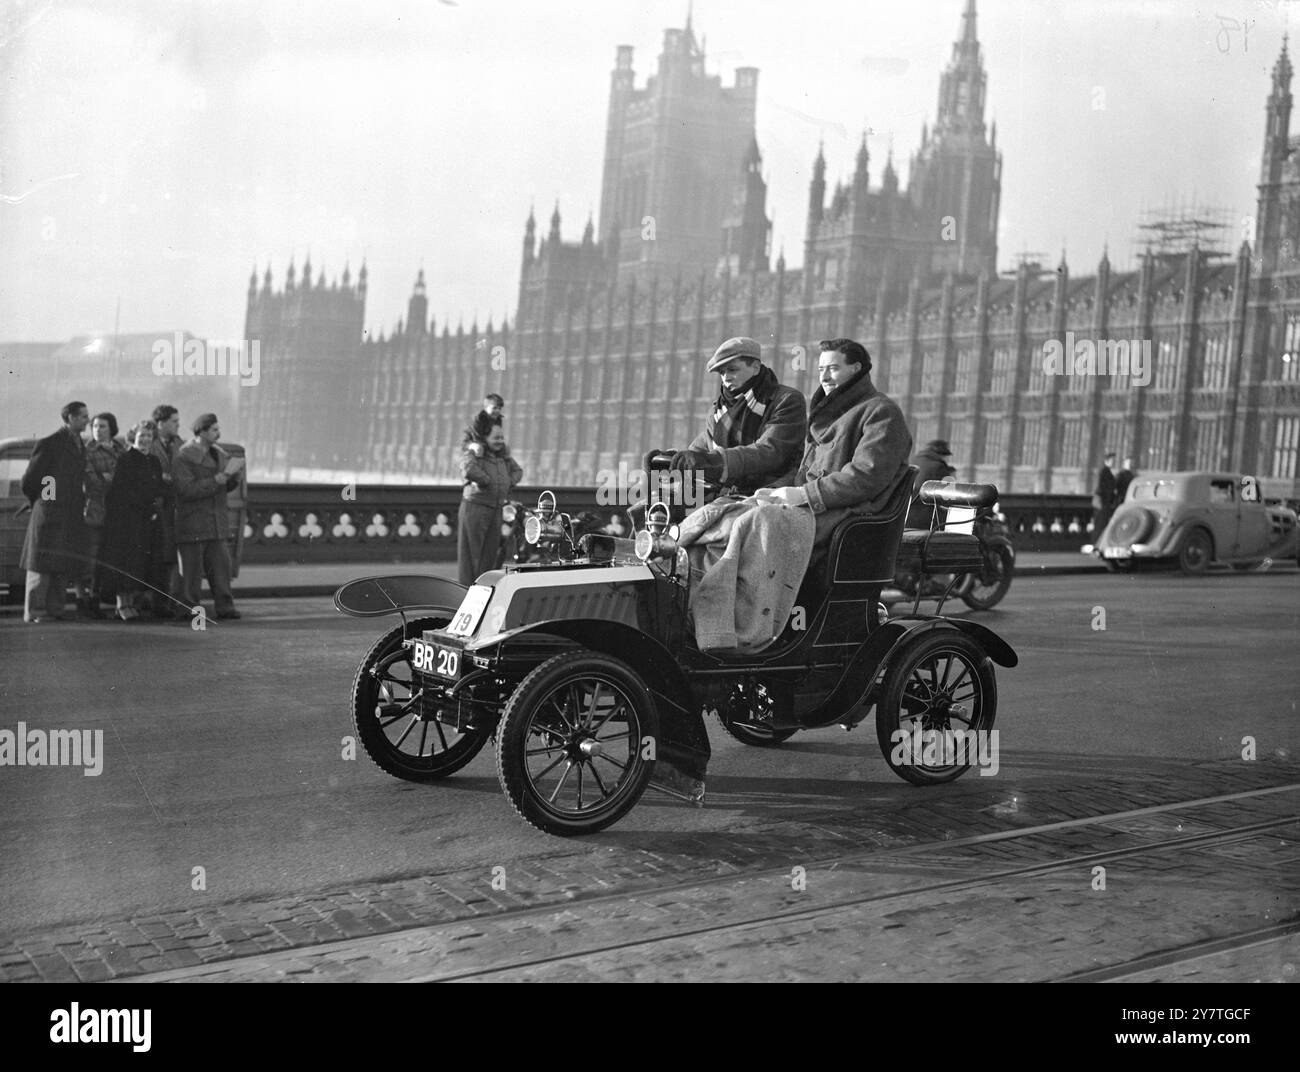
{"points": [[1117, 552], [435, 659], [466, 618]]}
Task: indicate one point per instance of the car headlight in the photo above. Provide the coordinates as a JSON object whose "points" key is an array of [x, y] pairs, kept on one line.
{"points": [[509, 512], [532, 529]]}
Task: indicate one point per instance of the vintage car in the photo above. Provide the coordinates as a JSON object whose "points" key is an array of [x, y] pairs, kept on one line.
{"points": [[585, 671], [1196, 520], [16, 452]]}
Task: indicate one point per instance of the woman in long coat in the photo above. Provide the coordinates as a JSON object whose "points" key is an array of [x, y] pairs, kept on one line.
{"points": [[131, 525], [488, 480], [102, 453]]}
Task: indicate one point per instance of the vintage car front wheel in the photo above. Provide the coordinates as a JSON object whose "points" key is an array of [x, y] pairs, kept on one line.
{"points": [[387, 714], [575, 746], [1195, 553], [938, 686]]}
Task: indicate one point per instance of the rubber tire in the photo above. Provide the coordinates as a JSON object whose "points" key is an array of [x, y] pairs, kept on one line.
{"points": [[371, 735], [1008, 564], [891, 696], [1200, 538], [1134, 525], [512, 741]]}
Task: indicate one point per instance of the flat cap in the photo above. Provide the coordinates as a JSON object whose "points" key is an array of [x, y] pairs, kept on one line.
{"points": [[740, 346]]}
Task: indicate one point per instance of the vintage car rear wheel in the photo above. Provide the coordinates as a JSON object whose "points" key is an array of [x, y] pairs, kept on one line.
{"points": [[941, 681], [583, 710], [1195, 553], [983, 590], [386, 714]]}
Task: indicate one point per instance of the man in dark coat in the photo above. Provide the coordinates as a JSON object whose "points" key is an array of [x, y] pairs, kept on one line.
{"points": [[201, 476], [1122, 480], [755, 431], [166, 445], [858, 442], [931, 463], [56, 541], [1103, 495]]}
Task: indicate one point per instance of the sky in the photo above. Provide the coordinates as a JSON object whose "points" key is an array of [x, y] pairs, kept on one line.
{"points": [[153, 151]]}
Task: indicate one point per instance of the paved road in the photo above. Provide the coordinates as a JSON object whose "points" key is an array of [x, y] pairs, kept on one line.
{"points": [[222, 751]]}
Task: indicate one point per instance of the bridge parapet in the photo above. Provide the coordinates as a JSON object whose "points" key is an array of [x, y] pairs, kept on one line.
{"points": [[417, 523]]}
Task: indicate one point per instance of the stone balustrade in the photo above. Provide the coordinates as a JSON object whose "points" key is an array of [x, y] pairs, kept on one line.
{"points": [[413, 523]]}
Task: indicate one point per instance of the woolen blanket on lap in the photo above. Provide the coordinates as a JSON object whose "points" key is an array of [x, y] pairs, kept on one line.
{"points": [[752, 555]]}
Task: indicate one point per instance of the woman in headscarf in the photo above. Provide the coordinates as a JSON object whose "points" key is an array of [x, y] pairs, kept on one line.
{"points": [[102, 453], [131, 527]]}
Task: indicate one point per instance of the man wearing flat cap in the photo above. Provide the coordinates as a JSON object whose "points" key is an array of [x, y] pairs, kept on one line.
{"points": [[754, 434], [201, 476]]}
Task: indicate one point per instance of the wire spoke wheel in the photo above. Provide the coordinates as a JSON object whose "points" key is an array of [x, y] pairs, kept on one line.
{"points": [[571, 746], [393, 728], [938, 700]]}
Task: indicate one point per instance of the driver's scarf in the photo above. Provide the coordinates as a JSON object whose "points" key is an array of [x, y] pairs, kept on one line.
{"points": [[737, 417]]}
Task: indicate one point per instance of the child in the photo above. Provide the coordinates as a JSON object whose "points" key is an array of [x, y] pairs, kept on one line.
{"points": [[476, 433]]}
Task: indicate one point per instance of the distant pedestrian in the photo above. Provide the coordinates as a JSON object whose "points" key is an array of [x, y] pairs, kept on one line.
{"points": [[202, 474], [488, 480], [166, 446], [491, 415], [55, 545], [131, 520], [1122, 480], [1103, 495], [102, 454]]}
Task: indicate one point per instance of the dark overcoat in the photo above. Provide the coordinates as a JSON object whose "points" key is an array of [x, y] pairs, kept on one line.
{"points": [[57, 540], [772, 459], [131, 523]]}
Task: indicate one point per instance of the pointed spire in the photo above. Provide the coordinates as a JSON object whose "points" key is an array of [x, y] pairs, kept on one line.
{"points": [[589, 232], [252, 279], [819, 165], [306, 272], [419, 282], [1282, 68], [555, 224], [291, 276], [780, 260], [860, 169], [347, 275], [968, 35], [266, 279], [320, 279]]}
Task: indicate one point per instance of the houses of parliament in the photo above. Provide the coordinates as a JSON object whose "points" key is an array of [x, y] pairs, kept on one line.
{"points": [[605, 357]]}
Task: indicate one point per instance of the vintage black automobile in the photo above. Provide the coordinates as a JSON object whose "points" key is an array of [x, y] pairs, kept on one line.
{"points": [[585, 671]]}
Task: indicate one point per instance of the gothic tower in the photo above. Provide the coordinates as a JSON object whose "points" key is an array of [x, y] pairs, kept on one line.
{"points": [[673, 152], [955, 182]]}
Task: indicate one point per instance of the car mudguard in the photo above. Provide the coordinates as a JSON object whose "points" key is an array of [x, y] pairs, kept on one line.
{"points": [[683, 742], [370, 597], [879, 648]]}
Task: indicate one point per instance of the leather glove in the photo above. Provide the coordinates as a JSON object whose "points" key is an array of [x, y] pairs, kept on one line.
{"points": [[698, 461]]}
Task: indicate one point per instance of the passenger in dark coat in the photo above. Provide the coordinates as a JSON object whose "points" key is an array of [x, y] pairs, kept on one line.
{"points": [[858, 442], [488, 480], [132, 526], [55, 547], [201, 476]]}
